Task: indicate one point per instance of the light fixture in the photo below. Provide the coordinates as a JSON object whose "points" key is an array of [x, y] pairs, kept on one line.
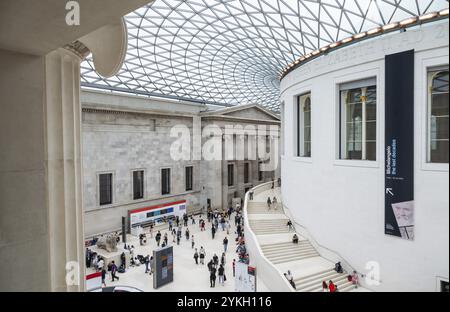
{"points": [[347, 40], [390, 26], [316, 52], [334, 45], [428, 16], [443, 12], [307, 56], [408, 21], [324, 49], [360, 35], [374, 31]]}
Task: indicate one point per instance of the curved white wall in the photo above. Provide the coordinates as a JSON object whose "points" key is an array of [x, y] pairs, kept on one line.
{"points": [[342, 202]]}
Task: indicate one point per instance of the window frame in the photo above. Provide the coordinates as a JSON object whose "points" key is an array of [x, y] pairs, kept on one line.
{"points": [[191, 178], [170, 181], [247, 173], [232, 175], [301, 127], [363, 84], [143, 184], [99, 189], [431, 72]]}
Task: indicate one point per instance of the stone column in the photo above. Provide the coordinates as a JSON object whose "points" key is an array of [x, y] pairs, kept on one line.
{"points": [[64, 168]]}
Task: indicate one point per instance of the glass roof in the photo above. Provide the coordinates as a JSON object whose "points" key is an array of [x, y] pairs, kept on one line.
{"points": [[230, 52]]}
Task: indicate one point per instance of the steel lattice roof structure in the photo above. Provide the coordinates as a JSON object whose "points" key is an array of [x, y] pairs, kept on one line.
{"points": [[231, 52]]}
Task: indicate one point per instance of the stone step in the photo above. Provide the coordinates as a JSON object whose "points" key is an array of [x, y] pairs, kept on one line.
{"points": [[318, 279], [322, 275], [284, 259], [338, 280], [285, 245], [286, 250], [289, 252]]}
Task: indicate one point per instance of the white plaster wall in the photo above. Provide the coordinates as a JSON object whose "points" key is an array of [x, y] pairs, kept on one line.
{"points": [[342, 202]]}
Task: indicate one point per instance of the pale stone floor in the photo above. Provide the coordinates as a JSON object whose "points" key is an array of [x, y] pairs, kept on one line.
{"points": [[188, 277]]}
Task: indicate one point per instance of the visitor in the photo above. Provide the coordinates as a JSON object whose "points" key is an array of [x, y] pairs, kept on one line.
{"points": [[158, 238], [166, 239], [338, 268], [234, 267], [202, 256], [104, 277], [151, 230], [212, 277], [223, 259], [355, 279], [192, 241], [177, 221], [147, 263], [196, 256], [193, 220], [275, 203], [210, 265], [170, 225], [100, 264], [279, 182], [269, 203], [295, 239], [331, 286], [151, 265], [187, 234], [213, 231], [114, 271], [178, 240], [290, 278], [273, 185], [223, 223], [289, 225], [250, 195], [221, 272], [216, 260], [324, 286], [225, 244]]}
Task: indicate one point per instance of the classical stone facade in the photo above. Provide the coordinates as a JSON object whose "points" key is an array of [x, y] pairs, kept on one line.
{"points": [[137, 137]]}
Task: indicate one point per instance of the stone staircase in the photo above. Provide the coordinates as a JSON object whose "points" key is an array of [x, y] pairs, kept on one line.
{"points": [[288, 252], [261, 208], [313, 282], [269, 226]]}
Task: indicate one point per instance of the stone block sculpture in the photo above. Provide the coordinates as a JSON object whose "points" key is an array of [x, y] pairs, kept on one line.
{"points": [[108, 243]]}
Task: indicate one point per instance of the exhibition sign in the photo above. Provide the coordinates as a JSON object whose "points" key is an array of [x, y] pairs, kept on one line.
{"points": [[245, 278], [399, 149], [156, 213], [163, 267]]}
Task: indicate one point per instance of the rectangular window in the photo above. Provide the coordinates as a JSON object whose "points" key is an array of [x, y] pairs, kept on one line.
{"points": [[165, 181], [189, 178], [260, 172], [438, 116], [230, 174], [105, 188], [358, 120], [304, 125], [138, 184], [246, 172]]}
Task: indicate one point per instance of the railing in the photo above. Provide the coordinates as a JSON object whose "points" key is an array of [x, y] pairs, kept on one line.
{"points": [[264, 268]]}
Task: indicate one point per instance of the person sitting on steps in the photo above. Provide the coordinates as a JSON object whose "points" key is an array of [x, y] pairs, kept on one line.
{"points": [[295, 239]]}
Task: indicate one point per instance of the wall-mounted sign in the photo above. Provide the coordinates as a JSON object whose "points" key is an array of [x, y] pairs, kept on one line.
{"points": [[399, 151], [156, 213]]}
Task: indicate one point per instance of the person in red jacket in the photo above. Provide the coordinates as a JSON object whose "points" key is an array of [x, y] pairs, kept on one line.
{"points": [[332, 287]]}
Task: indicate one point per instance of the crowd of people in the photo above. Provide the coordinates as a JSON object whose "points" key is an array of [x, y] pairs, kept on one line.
{"points": [[177, 228]]}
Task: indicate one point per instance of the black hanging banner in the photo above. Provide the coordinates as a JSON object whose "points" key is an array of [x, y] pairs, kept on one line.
{"points": [[399, 164]]}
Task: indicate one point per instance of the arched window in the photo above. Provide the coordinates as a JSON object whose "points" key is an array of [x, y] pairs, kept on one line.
{"points": [[304, 125], [438, 140]]}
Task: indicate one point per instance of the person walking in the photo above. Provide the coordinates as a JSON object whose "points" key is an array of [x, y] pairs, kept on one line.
{"points": [[202, 256], [324, 286], [103, 277], [221, 272], [250, 195], [234, 267], [196, 256], [158, 238], [114, 271], [212, 277], [275, 203], [223, 259], [187, 233], [216, 260], [228, 227], [166, 239], [147, 263], [269, 203], [331, 286], [170, 225], [192, 241], [213, 231], [151, 265], [225, 244]]}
